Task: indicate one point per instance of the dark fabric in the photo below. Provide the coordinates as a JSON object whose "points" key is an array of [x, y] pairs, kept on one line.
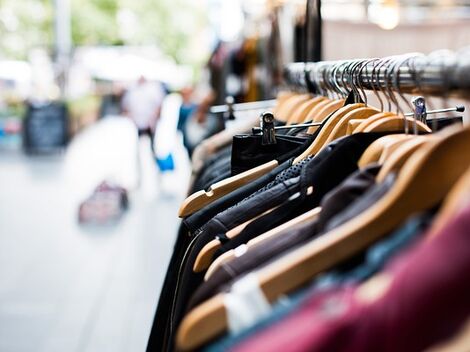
{"points": [[249, 152], [199, 218], [157, 333], [333, 202], [358, 184], [217, 166], [346, 193], [362, 203], [442, 122], [209, 171], [423, 301]]}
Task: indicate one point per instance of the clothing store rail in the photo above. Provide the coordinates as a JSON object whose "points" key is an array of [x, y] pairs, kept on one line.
{"points": [[440, 73], [256, 105]]}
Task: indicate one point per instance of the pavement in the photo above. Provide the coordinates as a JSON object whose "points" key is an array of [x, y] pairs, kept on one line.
{"points": [[65, 287]]}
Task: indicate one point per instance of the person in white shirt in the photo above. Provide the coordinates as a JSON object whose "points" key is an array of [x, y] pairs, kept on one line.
{"points": [[142, 104]]}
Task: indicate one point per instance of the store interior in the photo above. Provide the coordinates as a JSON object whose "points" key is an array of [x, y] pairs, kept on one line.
{"points": [[234, 175]]}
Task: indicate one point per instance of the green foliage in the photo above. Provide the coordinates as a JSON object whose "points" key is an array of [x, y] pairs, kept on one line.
{"points": [[25, 24], [168, 24]]}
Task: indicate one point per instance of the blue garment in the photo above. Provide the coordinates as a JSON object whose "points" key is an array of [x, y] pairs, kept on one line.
{"points": [[185, 111], [375, 259]]}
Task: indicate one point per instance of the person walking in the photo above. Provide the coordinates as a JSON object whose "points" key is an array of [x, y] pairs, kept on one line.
{"points": [[142, 103]]}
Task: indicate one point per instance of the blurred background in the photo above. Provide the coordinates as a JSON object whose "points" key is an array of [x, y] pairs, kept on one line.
{"points": [[89, 190]]}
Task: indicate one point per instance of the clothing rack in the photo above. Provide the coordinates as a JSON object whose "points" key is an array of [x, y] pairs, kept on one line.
{"points": [[434, 74], [255, 105]]}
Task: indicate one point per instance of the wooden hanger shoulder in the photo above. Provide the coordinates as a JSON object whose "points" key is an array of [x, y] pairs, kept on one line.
{"points": [[202, 198], [314, 111], [290, 105], [372, 119], [326, 130], [374, 152], [395, 123], [300, 114], [409, 194], [327, 110], [282, 102], [390, 149], [341, 127], [352, 125], [281, 98], [400, 155]]}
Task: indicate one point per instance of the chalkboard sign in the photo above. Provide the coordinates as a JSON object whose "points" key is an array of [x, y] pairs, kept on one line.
{"points": [[45, 127]]}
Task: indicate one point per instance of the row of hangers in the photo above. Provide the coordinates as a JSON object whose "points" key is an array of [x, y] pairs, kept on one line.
{"points": [[342, 109]]}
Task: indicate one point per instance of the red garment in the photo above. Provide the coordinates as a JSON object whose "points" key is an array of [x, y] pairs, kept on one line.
{"points": [[427, 299]]}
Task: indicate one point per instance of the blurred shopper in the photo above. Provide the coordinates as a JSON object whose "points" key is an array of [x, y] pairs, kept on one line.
{"points": [[111, 103], [142, 104], [187, 109]]}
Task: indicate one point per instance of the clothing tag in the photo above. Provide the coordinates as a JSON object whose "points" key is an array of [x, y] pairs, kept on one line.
{"points": [[245, 304]]}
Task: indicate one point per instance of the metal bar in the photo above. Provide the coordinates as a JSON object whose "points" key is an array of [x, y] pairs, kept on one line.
{"points": [[258, 129], [459, 108], [421, 74], [256, 105]]}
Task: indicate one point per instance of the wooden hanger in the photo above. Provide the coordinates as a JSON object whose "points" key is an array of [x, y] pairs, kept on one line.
{"points": [[277, 231], [420, 185], [300, 114], [219, 189], [290, 105], [324, 112], [281, 102], [390, 149], [326, 130], [371, 120], [315, 110], [374, 152], [400, 155], [395, 123], [352, 124], [281, 98], [204, 257], [341, 127]]}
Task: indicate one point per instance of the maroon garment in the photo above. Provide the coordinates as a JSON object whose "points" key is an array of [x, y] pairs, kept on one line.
{"points": [[427, 300]]}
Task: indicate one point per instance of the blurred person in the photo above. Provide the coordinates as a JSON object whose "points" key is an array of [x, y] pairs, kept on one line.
{"points": [[186, 111], [111, 103], [142, 103]]}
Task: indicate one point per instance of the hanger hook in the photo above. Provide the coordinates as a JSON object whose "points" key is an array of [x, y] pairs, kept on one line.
{"points": [[359, 78], [385, 88], [326, 75], [371, 83]]}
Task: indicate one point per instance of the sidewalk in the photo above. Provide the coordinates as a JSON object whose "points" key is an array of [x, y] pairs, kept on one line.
{"points": [[67, 288]]}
